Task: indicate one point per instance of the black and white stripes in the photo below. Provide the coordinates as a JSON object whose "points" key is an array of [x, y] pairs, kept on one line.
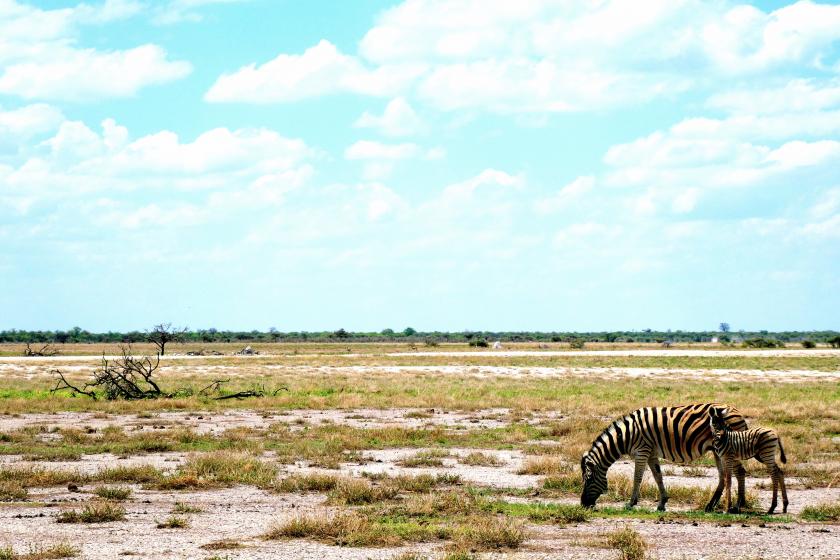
{"points": [[678, 433], [758, 443]]}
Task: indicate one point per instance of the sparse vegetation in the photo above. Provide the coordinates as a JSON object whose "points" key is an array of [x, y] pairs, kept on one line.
{"points": [[821, 512], [480, 459], [94, 512], [116, 493], [173, 522], [629, 544], [41, 552]]}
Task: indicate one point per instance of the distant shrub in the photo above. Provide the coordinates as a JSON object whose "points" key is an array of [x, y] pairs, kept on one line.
{"points": [[835, 342], [576, 343], [480, 343], [763, 343], [809, 344], [430, 342], [556, 338]]}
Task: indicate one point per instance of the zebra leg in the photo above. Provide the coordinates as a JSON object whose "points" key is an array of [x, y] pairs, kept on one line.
{"points": [[774, 476], [784, 490], [719, 490], [741, 474], [641, 463], [728, 465], [653, 463]]}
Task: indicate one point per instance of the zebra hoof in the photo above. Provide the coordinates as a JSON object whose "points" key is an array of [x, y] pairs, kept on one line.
{"points": [[660, 507], [629, 505], [734, 510]]}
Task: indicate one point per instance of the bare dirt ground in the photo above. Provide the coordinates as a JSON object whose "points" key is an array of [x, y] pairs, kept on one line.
{"points": [[244, 513]]}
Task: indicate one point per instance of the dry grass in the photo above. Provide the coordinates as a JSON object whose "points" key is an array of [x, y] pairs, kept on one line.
{"points": [[94, 512], [12, 491], [181, 507], [222, 545], [429, 458], [629, 544], [342, 529], [356, 491], [115, 493], [545, 465], [308, 482], [40, 552], [174, 522], [821, 512], [479, 459], [490, 533], [219, 468]]}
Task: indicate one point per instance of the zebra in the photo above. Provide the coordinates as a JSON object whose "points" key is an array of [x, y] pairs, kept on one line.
{"points": [[677, 433], [760, 443]]}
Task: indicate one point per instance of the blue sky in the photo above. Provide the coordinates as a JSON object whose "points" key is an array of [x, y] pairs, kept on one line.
{"points": [[458, 164]]}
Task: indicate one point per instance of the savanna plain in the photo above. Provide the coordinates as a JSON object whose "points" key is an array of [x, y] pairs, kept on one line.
{"points": [[389, 451]]}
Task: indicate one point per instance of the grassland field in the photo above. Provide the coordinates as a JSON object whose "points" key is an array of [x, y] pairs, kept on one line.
{"points": [[388, 451]]}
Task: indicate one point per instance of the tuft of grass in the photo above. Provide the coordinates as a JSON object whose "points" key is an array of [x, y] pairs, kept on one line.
{"points": [[568, 483], [438, 504], [223, 544], [54, 454], [114, 493], [181, 507], [219, 468], [174, 522], [343, 529], [545, 465], [12, 491], [312, 482], [51, 552], [429, 458], [821, 512], [490, 533], [478, 459], [540, 513], [355, 491], [421, 482], [628, 542], [95, 512]]}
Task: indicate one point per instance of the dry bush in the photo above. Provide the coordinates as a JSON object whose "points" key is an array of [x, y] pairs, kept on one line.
{"points": [[421, 482], [438, 504]]}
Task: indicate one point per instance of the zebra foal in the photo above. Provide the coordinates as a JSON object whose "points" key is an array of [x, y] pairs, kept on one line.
{"points": [[758, 443], [677, 433]]}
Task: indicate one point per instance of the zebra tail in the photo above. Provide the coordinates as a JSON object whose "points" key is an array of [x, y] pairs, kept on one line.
{"points": [[782, 451]]}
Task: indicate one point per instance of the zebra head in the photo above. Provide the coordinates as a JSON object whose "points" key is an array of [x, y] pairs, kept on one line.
{"points": [[717, 421], [594, 480]]}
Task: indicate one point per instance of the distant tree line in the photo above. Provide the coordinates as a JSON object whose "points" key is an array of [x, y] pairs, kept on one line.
{"points": [[77, 335]]}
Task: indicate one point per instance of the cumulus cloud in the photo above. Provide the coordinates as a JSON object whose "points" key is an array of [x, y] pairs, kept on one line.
{"points": [[320, 70], [369, 149], [544, 56], [40, 57], [398, 119]]}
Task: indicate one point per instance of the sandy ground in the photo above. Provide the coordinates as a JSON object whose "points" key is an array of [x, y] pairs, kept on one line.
{"points": [[31, 371], [498, 353]]}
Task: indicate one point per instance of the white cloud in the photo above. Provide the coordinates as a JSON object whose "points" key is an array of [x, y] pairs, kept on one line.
{"points": [[799, 95], [368, 149], [176, 11], [566, 196], [30, 120], [320, 70], [40, 57], [398, 119]]}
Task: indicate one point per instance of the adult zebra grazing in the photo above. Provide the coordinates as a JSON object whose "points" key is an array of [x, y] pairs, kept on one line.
{"points": [[677, 433], [761, 443]]}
